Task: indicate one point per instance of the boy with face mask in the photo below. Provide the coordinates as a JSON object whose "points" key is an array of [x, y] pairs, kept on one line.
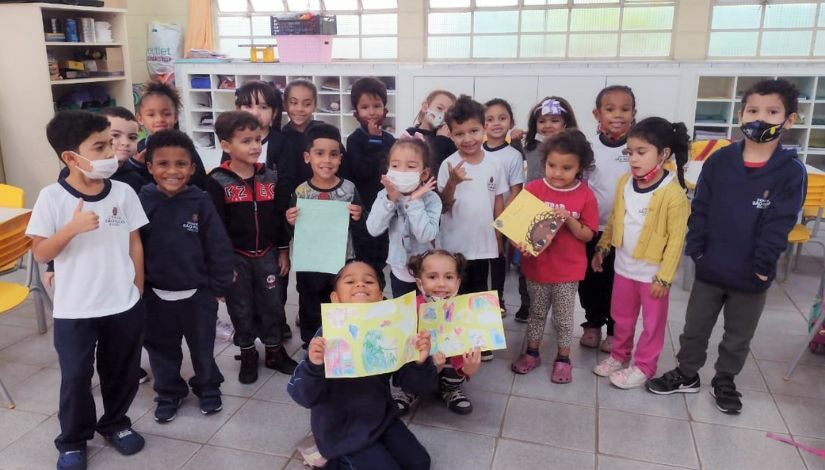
{"points": [[760, 186]]}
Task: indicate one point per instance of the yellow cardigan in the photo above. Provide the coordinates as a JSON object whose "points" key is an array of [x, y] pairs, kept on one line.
{"points": [[663, 233]]}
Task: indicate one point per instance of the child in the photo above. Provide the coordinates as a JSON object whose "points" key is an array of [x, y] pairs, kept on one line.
{"points": [[647, 227], [615, 111], [498, 120], [189, 263], [262, 100], [323, 155], [407, 209], [438, 275], [431, 124], [245, 196], [549, 117], [353, 420], [124, 129], [553, 275], [760, 185], [89, 225], [366, 160], [158, 110]]}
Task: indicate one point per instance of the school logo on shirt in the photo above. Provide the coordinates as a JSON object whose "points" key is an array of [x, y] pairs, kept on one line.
{"points": [[114, 220], [491, 185], [192, 225], [762, 202], [624, 156]]}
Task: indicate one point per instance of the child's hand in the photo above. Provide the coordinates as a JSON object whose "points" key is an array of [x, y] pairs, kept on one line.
{"points": [[373, 128], [83, 221], [392, 192], [48, 279], [283, 262], [472, 361], [439, 359], [422, 344], [596, 262], [315, 351], [657, 291], [140, 157], [523, 249], [516, 134], [423, 189], [354, 212], [443, 130], [457, 174], [291, 215]]}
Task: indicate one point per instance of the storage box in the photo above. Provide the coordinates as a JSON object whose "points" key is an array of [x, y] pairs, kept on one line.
{"points": [[304, 49], [312, 25]]}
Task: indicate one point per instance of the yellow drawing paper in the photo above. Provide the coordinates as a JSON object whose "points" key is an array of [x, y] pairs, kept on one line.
{"points": [[369, 339], [529, 222], [459, 324]]}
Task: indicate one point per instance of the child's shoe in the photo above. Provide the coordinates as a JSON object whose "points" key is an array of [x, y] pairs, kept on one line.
{"points": [[126, 441], [309, 451], [72, 460], [727, 398], [456, 401], [672, 382], [607, 344], [629, 377], [591, 337], [487, 356], [249, 365], [523, 314], [167, 409], [525, 364], [404, 401], [562, 372], [211, 404], [608, 366], [276, 358]]}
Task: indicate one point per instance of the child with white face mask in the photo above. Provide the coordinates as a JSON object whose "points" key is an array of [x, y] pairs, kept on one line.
{"points": [[407, 208], [430, 123]]}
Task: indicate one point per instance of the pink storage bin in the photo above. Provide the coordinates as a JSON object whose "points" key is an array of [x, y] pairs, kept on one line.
{"points": [[304, 49]]}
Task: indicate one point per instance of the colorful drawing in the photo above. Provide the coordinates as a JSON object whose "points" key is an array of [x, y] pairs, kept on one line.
{"points": [[459, 324], [369, 339], [528, 222]]}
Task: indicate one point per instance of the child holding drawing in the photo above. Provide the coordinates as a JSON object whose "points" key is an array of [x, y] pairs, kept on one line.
{"points": [[353, 420]]}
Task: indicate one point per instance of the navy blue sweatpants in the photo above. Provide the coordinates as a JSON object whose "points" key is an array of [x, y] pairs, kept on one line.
{"points": [[396, 449]]}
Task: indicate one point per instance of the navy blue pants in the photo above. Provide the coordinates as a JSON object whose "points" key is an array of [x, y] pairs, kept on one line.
{"points": [[596, 290], [475, 277], [313, 290], [255, 302], [396, 448], [114, 342], [167, 323], [400, 287]]}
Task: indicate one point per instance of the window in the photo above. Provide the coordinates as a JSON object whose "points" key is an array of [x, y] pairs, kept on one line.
{"points": [[549, 29], [776, 29], [367, 29]]}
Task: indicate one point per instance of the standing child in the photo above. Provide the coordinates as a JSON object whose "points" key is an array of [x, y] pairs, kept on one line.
{"points": [[245, 194], [431, 124], [647, 228], [158, 110], [407, 209], [747, 200], [553, 275], [323, 155], [89, 225], [366, 160], [615, 111], [498, 121], [189, 264], [354, 421], [262, 100], [549, 117]]}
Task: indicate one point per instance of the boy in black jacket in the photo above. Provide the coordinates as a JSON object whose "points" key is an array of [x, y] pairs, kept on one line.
{"points": [[188, 262], [246, 196], [747, 200], [366, 161]]}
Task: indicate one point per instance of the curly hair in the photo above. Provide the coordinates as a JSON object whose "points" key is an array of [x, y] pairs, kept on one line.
{"points": [[571, 141]]}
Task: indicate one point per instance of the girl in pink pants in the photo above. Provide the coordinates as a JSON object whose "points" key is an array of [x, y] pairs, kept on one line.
{"points": [[647, 228]]}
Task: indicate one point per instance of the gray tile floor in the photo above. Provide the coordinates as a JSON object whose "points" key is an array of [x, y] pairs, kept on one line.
{"points": [[519, 422]]}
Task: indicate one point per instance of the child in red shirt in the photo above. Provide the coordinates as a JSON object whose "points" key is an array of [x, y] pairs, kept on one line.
{"points": [[553, 275]]}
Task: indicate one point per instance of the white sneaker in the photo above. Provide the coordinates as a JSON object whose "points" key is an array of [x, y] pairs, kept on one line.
{"points": [[607, 367], [631, 377]]}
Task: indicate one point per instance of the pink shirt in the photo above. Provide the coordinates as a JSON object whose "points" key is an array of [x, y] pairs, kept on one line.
{"points": [[565, 260]]}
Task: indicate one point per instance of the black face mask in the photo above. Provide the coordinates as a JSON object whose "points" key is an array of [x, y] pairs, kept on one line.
{"points": [[762, 132]]}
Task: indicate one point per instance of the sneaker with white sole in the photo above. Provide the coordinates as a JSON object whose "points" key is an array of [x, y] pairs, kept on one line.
{"points": [[608, 366], [673, 381], [630, 377]]}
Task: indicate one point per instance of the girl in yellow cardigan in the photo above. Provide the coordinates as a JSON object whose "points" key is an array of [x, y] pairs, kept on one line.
{"points": [[647, 228]]}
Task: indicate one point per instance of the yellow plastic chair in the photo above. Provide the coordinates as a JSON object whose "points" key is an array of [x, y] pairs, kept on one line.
{"points": [[800, 234], [11, 196]]}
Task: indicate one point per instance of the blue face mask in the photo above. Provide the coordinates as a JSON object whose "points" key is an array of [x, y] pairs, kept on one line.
{"points": [[762, 132]]}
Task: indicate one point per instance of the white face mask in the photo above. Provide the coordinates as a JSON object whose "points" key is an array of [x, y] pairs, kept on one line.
{"points": [[101, 169], [539, 137], [435, 298], [404, 181], [434, 117]]}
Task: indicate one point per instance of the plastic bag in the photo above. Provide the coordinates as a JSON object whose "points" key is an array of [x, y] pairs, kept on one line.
{"points": [[164, 44]]}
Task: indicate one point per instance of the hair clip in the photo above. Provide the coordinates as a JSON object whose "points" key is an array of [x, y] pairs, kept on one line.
{"points": [[551, 106], [417, 136]]}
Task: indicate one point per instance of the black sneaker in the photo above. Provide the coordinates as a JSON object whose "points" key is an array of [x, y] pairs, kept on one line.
{"points": [[144, 376], [126, 441], [211, 404], [673, 382], [167, 409], [456, 401], [727, 398], [403, 401], [487, 356], [523, 314], [278, 359]]}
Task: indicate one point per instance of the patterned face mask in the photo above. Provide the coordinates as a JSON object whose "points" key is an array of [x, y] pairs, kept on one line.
{"points": [[761, 131]]}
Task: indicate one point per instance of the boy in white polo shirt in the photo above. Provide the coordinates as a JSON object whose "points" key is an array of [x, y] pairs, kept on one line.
{"points": [[89, 225]]}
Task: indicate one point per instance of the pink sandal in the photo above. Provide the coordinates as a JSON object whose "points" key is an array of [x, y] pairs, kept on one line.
{"points": [[562, 373], [525, 364]]}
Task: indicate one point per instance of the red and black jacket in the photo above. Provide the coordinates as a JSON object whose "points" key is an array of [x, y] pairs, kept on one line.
{"points": [[254, 217]]}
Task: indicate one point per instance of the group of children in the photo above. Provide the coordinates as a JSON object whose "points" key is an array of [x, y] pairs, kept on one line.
{"points": [[160, 255]]}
